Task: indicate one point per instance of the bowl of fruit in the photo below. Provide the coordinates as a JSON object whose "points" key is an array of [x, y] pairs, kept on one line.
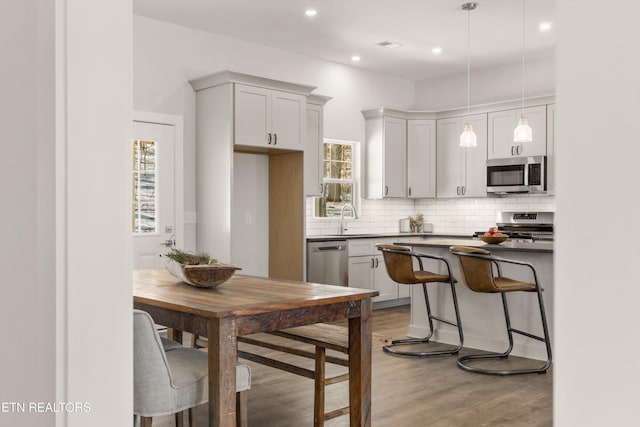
{"points": [[493, 236]]}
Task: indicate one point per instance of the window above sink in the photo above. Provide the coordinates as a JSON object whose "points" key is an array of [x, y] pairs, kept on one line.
{"points": [[339, 180]]}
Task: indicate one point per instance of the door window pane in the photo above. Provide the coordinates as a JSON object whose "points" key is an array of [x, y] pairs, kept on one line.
{"points": [[145, 185]]}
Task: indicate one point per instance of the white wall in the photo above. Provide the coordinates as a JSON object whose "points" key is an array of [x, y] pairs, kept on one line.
{"points": [[487, 86], [94, 207], [28, 226], [250, 224], [66, 289], [597, 369], [166, 56]]}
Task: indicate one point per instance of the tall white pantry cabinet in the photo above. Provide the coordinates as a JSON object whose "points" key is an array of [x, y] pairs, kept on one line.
{"points": [[248, 114]]}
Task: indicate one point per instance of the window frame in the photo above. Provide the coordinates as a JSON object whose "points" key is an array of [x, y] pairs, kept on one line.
{"points": [[353, 180]]}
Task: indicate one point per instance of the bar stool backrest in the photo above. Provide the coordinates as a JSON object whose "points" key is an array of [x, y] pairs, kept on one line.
{"points": [[399, 265], [477, 272]]}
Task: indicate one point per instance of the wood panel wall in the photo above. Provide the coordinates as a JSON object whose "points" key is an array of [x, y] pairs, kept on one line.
{"points": [[286, 216]]}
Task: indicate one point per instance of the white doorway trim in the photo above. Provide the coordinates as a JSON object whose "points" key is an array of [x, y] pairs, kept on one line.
{"points": [[178, 123]]}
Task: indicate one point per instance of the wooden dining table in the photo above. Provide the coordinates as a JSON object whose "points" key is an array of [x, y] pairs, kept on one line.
{"points": [[245, 305]]}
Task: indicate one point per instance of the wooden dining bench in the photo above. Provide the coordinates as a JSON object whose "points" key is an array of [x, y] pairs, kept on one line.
{"points": [[323, 337]]}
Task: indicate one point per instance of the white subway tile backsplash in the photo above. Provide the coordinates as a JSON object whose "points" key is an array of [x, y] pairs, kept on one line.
{"points": [[464, 216]]}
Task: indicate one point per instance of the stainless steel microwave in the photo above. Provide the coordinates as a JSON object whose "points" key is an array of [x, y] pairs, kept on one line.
{"points": [[517, 175]]}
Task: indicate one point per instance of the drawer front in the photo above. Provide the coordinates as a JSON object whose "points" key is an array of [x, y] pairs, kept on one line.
{"points": [[362, 247]]}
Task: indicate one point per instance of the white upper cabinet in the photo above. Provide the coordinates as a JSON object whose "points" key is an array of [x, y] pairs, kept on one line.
{"points": [[269, 118], [313, 152], [400, 154], [461, 172], [385, 157], [501, 126], [421, 158]]}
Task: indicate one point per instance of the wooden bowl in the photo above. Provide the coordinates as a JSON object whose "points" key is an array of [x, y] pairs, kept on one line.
{"points": [[493, 240], [202, 275]]}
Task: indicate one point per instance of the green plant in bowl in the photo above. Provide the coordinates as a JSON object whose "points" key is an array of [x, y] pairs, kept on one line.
{"points": [[187, 258]]}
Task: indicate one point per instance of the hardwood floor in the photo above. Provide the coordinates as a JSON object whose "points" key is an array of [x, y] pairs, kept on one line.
{"points": [[411, 392]]}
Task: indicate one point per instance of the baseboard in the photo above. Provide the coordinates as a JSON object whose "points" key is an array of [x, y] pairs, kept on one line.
{"points": [[392, 303]]}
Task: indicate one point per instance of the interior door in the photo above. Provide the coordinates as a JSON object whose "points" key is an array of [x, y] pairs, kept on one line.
{"points": [[153, 189]]}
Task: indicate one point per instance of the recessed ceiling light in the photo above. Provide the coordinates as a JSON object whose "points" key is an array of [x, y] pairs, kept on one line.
{"points": [[311, 12], [436, 50], [390, 45], [355, 58], [544, 26]]}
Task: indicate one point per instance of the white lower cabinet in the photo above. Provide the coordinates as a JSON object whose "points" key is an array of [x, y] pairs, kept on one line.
{"points": [[367, 270]]}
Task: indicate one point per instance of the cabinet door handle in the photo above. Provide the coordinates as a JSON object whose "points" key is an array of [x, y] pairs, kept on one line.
{"points": [[376, 262], [371, 264], [275, 138], [386, 190], [458, 190], [519, 149], [321, 188], [512, 150], [409, 191], [464, 190], [269, 141]]}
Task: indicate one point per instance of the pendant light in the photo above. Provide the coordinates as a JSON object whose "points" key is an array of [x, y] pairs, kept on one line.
{"points": [[468, 137], [523, 132]]}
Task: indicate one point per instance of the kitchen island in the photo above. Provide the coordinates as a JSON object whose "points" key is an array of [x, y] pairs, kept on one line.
{"points": [[482, 316]]}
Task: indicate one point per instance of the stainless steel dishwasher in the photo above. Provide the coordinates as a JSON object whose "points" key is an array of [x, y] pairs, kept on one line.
{"points": [[327, 262]]}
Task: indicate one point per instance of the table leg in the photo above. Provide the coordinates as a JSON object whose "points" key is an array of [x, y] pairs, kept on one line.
{"points": [[360, 366], [175, 335], [222, 372]]}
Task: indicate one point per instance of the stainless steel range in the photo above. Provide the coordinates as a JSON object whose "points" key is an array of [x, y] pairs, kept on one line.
{"points": [[525, 226]]}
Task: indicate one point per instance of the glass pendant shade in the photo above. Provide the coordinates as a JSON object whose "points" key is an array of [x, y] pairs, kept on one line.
{"points": [[523, 132], [468, 138]]}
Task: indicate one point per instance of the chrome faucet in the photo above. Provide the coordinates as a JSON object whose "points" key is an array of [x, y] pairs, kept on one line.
{"points": [[343, 224]]}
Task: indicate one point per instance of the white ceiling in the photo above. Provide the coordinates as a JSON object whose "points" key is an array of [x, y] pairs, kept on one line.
{"points": [[343, 28]]}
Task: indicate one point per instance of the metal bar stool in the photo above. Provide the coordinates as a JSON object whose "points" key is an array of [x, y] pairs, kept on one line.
{"points": [[477, 270], [399, 263]]}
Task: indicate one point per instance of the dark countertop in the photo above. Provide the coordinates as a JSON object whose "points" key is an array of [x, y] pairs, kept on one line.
{"points": [[320, 238], [504, 246]]}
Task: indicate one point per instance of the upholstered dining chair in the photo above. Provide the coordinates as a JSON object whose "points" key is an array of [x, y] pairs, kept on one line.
{"points": [[170, 382], [399, 263], [477, 267]]}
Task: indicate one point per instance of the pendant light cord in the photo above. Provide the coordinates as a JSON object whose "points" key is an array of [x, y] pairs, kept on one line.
{"points": [[523, 24], [469, 57]]}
